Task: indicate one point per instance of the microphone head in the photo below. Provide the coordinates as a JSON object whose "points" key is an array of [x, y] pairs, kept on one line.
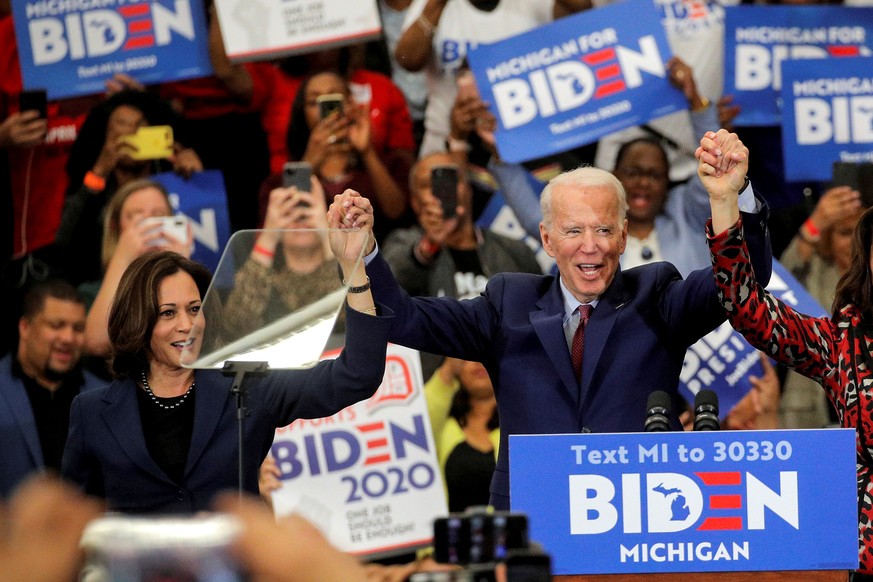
{"points": [[659, 399], [706, 410], [658, 412]]}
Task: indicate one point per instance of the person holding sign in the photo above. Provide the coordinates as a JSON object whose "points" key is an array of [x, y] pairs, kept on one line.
{"points": [[523, 327], [437, 34], [833, 351], [161, 437]]}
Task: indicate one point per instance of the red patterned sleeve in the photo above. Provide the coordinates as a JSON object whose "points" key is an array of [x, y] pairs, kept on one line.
{"points": [[805, 343]]}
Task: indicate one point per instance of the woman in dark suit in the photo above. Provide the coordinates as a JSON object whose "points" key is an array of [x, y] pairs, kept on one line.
{"points": [[162, 437]]}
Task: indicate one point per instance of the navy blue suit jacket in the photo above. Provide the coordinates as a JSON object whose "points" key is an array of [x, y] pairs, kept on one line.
{"points": [[106, 451], [21, 453], [635, 343]]}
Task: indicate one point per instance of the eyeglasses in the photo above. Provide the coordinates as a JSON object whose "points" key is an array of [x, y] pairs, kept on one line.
{"points": [[636, 173]]}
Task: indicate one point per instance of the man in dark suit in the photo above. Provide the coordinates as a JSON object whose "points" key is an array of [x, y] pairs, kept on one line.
{"points": [[38, 383], [522, 326]]}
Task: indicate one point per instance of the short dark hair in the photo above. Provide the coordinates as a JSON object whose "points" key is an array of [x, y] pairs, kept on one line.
{"points": [[648, 140], [34, 300], [134, 310]]}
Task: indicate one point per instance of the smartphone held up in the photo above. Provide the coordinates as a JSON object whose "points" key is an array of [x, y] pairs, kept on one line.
{"points": [[444, 186]]}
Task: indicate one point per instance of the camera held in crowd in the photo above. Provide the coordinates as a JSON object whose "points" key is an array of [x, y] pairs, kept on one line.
{"points": [[485, 541]]}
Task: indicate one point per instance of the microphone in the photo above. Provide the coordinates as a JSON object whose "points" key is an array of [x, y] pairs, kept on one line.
{"points": [[658, 412], [706, 410]]}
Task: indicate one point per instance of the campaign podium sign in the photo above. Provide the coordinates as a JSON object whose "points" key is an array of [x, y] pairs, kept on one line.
{"points": [[828, 115], [689, 501], [577, 79], [73, 48]]}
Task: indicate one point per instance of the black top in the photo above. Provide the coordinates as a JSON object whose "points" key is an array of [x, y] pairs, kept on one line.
{"points": [[167, 431], [51, 411], [468, 476]]}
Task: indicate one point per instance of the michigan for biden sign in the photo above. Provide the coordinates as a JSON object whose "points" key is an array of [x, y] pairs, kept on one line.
{"points": [[572, 81], [828, 113], [71, 47], [689, 502]]}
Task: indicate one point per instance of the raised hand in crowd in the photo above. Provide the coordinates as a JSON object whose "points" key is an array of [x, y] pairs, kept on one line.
{"points": [[470, 115], [40, 532], [727, 111], [328, 138], [122, 82], [289, 208], [835, 205], [682, 77], [758, 409], [23, 129]]}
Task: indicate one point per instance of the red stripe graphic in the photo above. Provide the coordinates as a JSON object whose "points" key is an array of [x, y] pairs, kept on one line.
{"points": [[377, 459], [371, 426], [607, 72], [725, 502], [139, 26], [722, 523], [719, 478], [609, 88], [139, 42], [844, 51], [377, 443], [601, 56], [132, 11]]}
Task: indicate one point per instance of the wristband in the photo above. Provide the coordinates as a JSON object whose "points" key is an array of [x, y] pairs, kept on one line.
{"points": [[94, 183], [809, 231], [428, 247], [359, 288], [263, 251], [458, 145]]}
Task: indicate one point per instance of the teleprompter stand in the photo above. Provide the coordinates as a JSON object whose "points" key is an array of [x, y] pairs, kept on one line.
{"points": [[239, 370]]}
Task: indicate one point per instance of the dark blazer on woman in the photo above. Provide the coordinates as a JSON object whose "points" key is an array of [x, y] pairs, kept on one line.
{"points": [[106, 451]]}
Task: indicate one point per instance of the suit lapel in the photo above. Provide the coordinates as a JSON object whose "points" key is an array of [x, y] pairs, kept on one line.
{"points": [[18, 404], [209, 404], [547, 322], [599, 327], [121, 415]]}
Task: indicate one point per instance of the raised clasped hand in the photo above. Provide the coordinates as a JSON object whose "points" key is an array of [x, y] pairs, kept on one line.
{"points": [[350, 212]]}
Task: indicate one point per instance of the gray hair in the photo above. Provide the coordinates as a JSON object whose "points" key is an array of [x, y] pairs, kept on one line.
{"points": [[584, 177]]}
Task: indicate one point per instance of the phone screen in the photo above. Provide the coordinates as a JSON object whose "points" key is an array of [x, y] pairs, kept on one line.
{"points": [[327, 104], [297, 174], [444, 185], [449, 544], [858, 176], [34, 100]]}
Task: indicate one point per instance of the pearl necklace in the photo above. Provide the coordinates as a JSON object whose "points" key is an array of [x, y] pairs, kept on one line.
{"points": [[148, 389]]}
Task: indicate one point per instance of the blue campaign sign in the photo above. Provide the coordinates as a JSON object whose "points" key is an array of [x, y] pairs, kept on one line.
{"points": [[689, 501], [723, 360], [572, 81], [202, 198], [72, 48], [759, 38], [828, 115]]}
